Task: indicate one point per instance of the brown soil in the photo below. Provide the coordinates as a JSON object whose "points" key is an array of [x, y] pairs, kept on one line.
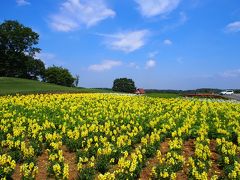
{"points": [[146, 172], [71, 160], [215, 169], [17, 175], [42, 161], [42, 168], [188, 151], [164, 147]]}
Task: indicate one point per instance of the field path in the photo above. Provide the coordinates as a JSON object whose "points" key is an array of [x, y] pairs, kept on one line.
{"points": [[146, 172], [233, 96]]}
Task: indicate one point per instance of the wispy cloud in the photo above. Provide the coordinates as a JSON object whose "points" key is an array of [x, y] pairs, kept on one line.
{"points": [[126, 41], [183, 18], [22, 2], [49, 59], [150, 64], [181, 21], [105, 65], [76, 13], [231, 73], [233, 27], [150, 8], [152, 54], [47, 56], [167, 42], [133, 65]]}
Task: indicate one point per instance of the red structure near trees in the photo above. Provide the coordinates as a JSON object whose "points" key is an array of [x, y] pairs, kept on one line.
{"points": [[140, 91]]}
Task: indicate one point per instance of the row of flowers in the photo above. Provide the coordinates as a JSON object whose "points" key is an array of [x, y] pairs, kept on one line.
{"points": [[113, 136]]}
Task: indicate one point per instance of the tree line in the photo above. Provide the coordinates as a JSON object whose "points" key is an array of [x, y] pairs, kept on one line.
{"points": [[18, 59], [18, 56]]}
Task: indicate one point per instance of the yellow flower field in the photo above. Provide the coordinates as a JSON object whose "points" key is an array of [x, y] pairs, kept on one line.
{"points": [[100, 136]]}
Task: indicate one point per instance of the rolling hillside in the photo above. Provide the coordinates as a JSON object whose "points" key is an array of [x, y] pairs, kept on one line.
{"points": [[9, 86]]}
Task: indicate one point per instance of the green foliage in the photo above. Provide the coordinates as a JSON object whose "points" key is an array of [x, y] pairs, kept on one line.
{"points": [[102, 163], [59, 75], [86, 174], [17, 51], [151, 150], [15, 37], [163, 95], [74, 145], [35, 69], [124, 85], [16, 155]]}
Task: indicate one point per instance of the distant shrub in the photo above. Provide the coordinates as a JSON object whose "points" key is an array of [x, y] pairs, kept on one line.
{"points": [[59, 75], [124, 85]]}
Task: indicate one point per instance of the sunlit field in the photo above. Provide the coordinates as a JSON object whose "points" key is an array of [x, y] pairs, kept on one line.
{"points": [[100, 136]]}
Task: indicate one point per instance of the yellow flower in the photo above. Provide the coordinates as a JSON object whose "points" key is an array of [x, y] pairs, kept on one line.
{"points": [[65, 171], [153, 172], [57, 169], [226, 160], [173, 176]]}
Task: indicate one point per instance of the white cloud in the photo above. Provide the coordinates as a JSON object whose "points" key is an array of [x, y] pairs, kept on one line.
{"points": [[49, 59], [45, 56], [150, 8], [133, 65], [76, 13], [231, 73], [183, 18], [22, 2], [233, 27], [105, 65], [150, 64], [152, 54], [126, 41], [181, 21], [167, 42]]}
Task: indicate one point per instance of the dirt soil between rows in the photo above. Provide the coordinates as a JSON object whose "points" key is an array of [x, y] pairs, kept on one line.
{"points": [[70, 159]]}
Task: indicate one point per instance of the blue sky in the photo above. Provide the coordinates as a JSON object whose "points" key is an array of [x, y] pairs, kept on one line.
{"points": [[162, 44]]}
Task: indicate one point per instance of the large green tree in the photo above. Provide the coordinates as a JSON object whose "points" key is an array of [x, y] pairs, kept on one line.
{"points": [[17, 50], [124, 85], [35, 69], [59, 75]]}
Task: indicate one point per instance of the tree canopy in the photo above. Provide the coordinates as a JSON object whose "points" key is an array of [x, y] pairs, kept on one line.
{"points": [[17, 50], [16, 38], [124, 85], [59, 75], [17, 56], [35, 69]]}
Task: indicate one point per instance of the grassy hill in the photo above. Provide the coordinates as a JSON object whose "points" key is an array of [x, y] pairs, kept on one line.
{"points": [[24, 86], [11, 86]]}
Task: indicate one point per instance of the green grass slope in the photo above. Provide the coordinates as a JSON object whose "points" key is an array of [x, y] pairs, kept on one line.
{"points": [[163, 95], [10, 86]]}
